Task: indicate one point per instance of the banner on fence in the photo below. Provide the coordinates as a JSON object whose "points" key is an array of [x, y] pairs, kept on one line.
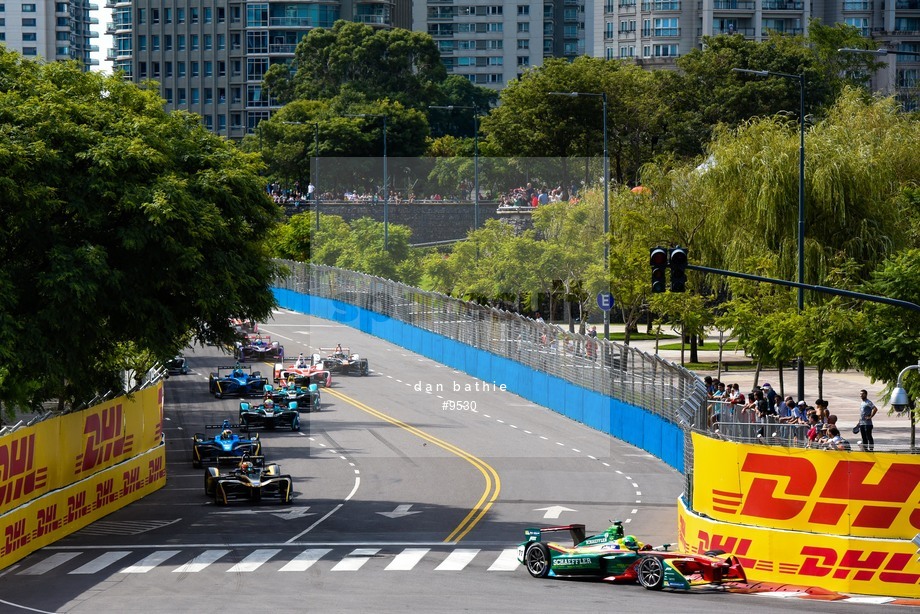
{"points": [[833, 492]]}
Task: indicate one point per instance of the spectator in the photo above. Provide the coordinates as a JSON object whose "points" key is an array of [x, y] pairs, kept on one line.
{"points": [[867, 410], [835, 441], [769, 394], [814, 430]]}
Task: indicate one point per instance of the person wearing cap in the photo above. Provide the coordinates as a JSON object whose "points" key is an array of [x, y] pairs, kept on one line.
{"points": [[797, 414], [770, 395]]}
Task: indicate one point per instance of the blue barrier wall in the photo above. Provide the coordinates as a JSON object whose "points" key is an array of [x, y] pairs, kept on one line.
{"points": [[629, 423]]}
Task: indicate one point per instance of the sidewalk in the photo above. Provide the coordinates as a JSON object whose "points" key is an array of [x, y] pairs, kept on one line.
{"points": [[841, 390]]}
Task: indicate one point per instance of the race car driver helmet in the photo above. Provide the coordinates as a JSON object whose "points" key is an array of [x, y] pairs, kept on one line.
{"points": [[246, 466], [630, 542], [226, 434], [269, 403]]}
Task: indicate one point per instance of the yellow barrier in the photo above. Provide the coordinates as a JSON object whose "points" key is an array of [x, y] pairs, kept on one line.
{"points": [[62, 474], [52, 454], [837, 493], [55, 515], [839, 563]]}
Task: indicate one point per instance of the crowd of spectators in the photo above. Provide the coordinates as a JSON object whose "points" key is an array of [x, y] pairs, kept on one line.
{"points": [[797, 422]]}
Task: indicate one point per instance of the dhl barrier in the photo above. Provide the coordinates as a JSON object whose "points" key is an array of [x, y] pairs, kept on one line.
{"points": [[807, 516], [839, 563], [60, 475]]}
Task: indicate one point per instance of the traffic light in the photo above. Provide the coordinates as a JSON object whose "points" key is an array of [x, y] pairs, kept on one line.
{"points": [[658, 258], [677, 260]]}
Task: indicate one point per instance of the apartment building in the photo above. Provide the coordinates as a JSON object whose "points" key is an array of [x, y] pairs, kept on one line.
{"points": [[491, 42], [210, 56], [655, 32], [50, 30]]}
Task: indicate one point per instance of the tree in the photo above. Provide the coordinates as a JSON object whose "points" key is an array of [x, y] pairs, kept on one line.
{"points": [[131, 228], [399, 64]]}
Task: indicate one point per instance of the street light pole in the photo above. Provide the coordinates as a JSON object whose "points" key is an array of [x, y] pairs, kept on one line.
{"points": [[316, 171], [603, 97], [801, 229], [386, 190], [451, 107]]}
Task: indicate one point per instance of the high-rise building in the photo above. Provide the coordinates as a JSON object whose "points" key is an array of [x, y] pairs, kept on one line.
{"points": [[655, 32], [50, 30], [209, 57]]}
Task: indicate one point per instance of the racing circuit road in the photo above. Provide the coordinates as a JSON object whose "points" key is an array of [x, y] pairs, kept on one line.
{"points": [[413, 487]]}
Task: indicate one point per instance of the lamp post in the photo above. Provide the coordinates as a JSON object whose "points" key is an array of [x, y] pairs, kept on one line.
{"points": [[386, 189], [801, 242], [901, 402], [603, 97], [475, 156], [315, 162]]}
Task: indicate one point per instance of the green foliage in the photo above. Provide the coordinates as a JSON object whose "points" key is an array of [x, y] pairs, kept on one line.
{"points": [[374, 63], [124, 228]]}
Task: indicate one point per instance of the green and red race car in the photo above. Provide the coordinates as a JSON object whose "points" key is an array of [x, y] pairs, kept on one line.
{"points": [[616, 557]]}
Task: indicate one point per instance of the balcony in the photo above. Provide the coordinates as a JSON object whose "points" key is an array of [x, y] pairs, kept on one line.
{"points": [[374, 20], [907, 5], [282, 48], [746, 32], [289, 22], [783, 5], [661, 5], [857, 5], [733, 5]]}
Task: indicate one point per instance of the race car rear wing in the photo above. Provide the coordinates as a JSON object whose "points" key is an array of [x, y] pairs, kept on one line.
{"points": [[221, 426], [577, 531], [258, 461]]}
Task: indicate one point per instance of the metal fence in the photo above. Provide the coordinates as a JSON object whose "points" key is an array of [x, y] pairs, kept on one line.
{"points": [[609, 368]]}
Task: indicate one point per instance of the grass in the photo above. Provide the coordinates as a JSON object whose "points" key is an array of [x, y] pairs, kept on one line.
{"points": [[641, 337], [731, 346]]}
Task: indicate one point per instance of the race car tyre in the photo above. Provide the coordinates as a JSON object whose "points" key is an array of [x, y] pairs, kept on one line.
{"points": [[206, 493], [218, 500], [650, 573], [217, 394], [256, 495], [713, 552], [295, 424], [537, 560]]}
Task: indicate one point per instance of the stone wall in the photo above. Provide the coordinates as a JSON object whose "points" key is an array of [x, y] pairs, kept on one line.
{"points": [[429, 222]]}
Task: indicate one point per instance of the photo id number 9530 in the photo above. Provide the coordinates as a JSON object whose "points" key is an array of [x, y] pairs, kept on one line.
{"points": [[451, 405]]}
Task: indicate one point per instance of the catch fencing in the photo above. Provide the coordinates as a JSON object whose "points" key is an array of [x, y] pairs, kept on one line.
{"points": [[657, 386]]}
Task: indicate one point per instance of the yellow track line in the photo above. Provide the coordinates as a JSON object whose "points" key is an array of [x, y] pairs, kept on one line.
{"points": [[493, 482]]}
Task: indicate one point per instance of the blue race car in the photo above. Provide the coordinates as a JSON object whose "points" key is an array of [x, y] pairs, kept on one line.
{"points": [[224, 447], [269, 416], [236, 380]]}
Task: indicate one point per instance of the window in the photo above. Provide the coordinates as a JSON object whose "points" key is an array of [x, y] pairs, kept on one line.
{"points": [[665, 51], [221, 42], [496, 60], [194, 98], [28, 22], [208, 68], [30, 37], [29, 51], [194, 69], [860, 23], [208, 14], [169, 69], [154, 15], [180, 42], [167, 15], [180, 69], [236, 14], [523, 26], [495, 27], [180, 15], [168, 95], [142, 43], [236, 68], [221, 95], [180, 95], [141, 16], [155, 70], [257, 42], [142, 70], [523, 43], [208, 42], [60, 7], [155, 42], [221, 68], [496, 44], [28, 8], [255, 68], [235, 43], [523, 60], [495, 10], [193, 14], [496, 78], [193, 42], [221, 14], [208, 122], [237, 94], [257, 16], [221, 122], [167, 42], [236, 120], [523, 9], [208, 95]]}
